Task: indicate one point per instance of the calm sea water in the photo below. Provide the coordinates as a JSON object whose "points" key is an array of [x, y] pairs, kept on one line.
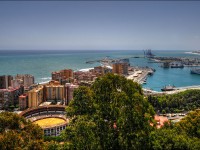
{"points": [[42, 63]]}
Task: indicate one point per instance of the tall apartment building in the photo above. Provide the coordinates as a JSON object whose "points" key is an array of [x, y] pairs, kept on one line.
{"points": [[10, 96], [27, 79], [35, 96], [54, 91], [23, 101], [5, 81], [84, 76], [120, 68], [15, 83], [69, 92], [5, 98], [62, 76], [102, 70]]}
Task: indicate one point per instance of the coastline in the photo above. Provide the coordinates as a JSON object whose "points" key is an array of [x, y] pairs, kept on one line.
{"points": [[192, 53], [41, 67]]}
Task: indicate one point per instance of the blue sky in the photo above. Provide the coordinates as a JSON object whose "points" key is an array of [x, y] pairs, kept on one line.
{"points": [[100, 25]]}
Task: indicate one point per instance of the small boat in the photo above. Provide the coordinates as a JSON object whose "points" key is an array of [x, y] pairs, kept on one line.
{"points": [[168, 88], [195, 71]]}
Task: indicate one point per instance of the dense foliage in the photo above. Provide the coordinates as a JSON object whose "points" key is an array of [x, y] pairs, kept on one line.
{"points": [[182, 135], [183, 101], [18, 133], [112, 114]]}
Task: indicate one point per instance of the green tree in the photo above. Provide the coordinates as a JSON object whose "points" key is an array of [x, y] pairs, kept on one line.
{"points": [[82, 103], [112, 114], [18, 133], [182, 135], [190, 124]]}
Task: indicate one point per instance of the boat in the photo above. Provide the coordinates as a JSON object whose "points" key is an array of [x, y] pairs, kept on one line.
{"points": [[195, 71], [177, 65], [168, 88]]}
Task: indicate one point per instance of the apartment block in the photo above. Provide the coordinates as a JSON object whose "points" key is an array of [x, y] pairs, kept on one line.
{"points": [[102, 70], [69, 92], [10, 96], [15, 83], [120, 68], [5, 81], [27, 79], [62, 76], [23, 101], [54, 91], [35, 97]]}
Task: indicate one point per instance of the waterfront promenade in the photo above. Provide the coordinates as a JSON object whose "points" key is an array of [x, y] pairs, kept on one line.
{"points": [[176, 90]]}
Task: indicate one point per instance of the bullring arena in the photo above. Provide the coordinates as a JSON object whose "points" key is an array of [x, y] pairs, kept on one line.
{"points": [[50, 118]]}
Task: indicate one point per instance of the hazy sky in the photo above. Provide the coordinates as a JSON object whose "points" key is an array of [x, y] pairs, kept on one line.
{"points": [[100, 25]]}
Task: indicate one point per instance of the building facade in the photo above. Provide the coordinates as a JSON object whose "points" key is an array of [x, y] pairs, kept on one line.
{"points": [[23, 101], [10, 96], [35, 97], [27, 79], [63, 76], [15, 83], [120, 68], [5, 81], [69, 92], [54, 92]]}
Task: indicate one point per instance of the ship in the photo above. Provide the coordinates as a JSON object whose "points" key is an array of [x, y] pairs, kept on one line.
{"points": [[168, 88], [176, 65], [195, 71]]}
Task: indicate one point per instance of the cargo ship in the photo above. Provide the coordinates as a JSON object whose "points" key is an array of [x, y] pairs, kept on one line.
{"points": [[195, 71]]}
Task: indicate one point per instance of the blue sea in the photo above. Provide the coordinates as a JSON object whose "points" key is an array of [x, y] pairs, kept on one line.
{"points": [[41, 63]]}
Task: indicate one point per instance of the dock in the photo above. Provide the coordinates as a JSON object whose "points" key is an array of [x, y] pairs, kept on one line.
{"points": [[140, 75]]}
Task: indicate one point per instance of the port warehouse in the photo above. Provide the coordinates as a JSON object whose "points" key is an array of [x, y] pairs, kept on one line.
{"points": [[50, 111]]}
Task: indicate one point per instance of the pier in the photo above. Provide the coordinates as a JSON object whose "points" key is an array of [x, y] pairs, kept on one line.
{"points": [[140, 75]]}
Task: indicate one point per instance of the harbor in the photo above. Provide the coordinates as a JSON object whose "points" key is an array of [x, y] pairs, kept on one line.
{"points": [[180, 77], [135, 73]]}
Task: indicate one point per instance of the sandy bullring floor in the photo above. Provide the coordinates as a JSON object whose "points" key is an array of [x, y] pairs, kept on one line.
{"points": [[46, 122]]}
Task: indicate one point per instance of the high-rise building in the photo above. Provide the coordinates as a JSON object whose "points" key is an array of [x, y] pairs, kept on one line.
{"points": [[10, 96], [5, 98], [23, 101], [62, 76], [69, 92], [5, 81], [35, 96], [27, 79], [15, 83], [120, 68], [101, 70], [54, 91]]}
